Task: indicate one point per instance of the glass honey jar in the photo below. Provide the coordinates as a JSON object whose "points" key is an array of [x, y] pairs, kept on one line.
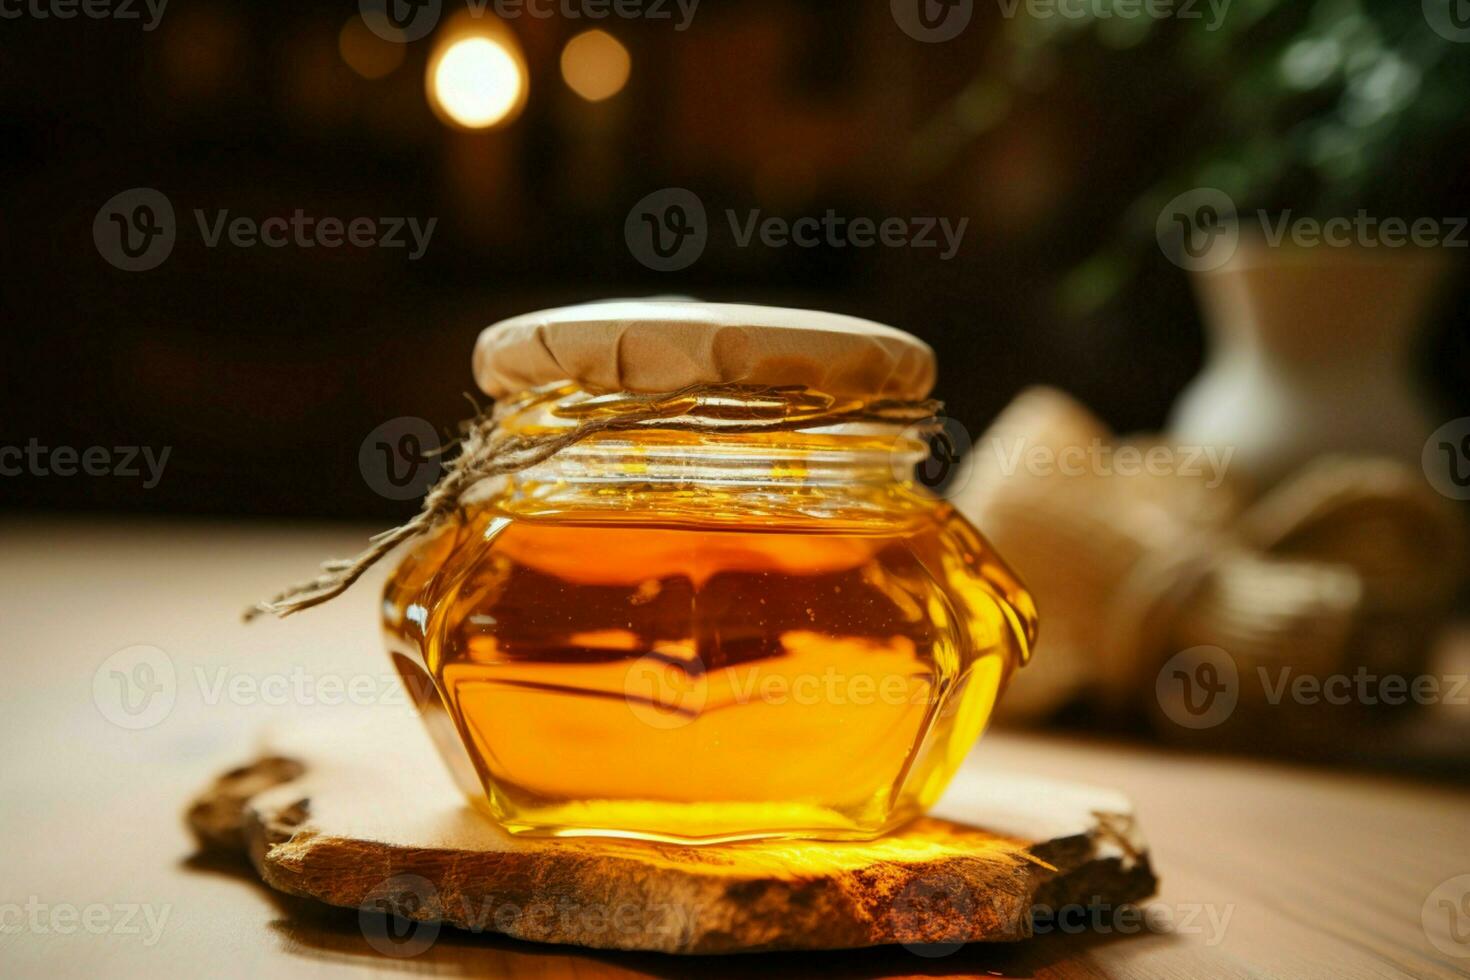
{"points": [[725, 622]]}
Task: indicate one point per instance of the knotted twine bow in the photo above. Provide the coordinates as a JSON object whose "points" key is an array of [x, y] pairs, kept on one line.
{"points": [[488, 449]]}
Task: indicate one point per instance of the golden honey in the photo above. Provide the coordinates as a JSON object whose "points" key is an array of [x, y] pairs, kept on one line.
{"points": [[707, 637]]}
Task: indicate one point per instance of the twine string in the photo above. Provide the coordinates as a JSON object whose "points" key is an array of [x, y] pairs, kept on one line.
{"points": [[487, 450]]}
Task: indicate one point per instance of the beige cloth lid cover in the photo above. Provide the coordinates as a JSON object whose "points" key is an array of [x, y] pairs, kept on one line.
{"points": [[663, 345]]}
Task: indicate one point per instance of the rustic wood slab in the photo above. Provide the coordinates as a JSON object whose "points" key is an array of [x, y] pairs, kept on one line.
{"points": [[360, 814]]}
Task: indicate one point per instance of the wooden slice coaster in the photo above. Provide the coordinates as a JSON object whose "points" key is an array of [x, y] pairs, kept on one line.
{"points": [[359, 813]]}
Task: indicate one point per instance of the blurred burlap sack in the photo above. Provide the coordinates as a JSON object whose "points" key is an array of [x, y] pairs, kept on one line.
{"points": [[1140, 553]]}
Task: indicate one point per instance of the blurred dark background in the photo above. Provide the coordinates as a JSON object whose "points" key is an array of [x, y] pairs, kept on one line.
{"points": [[265, 368]]}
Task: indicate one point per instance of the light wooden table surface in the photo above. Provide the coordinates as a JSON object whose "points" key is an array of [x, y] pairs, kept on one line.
{"points": [[1268, 870]]}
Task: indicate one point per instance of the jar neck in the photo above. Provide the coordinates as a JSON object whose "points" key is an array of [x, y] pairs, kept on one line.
{"points": [[830, 458], [849, 466]]}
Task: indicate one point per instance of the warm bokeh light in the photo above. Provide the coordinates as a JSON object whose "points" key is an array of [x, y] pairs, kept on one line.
{"points": [[477, 81], [365, 52], [595, 65]]}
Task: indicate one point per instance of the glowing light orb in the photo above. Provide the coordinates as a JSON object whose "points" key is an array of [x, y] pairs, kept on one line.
{"points": [[477, 82], [595, 65]]}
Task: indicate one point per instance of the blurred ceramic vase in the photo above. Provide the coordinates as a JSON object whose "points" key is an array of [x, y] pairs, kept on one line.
{"points": [[1310, 353]]}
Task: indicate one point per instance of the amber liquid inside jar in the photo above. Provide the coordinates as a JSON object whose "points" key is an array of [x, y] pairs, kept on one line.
{"points": [[702, 637]]}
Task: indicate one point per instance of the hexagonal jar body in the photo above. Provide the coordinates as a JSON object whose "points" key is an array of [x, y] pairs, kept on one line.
{"points": [[703, 637]]}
